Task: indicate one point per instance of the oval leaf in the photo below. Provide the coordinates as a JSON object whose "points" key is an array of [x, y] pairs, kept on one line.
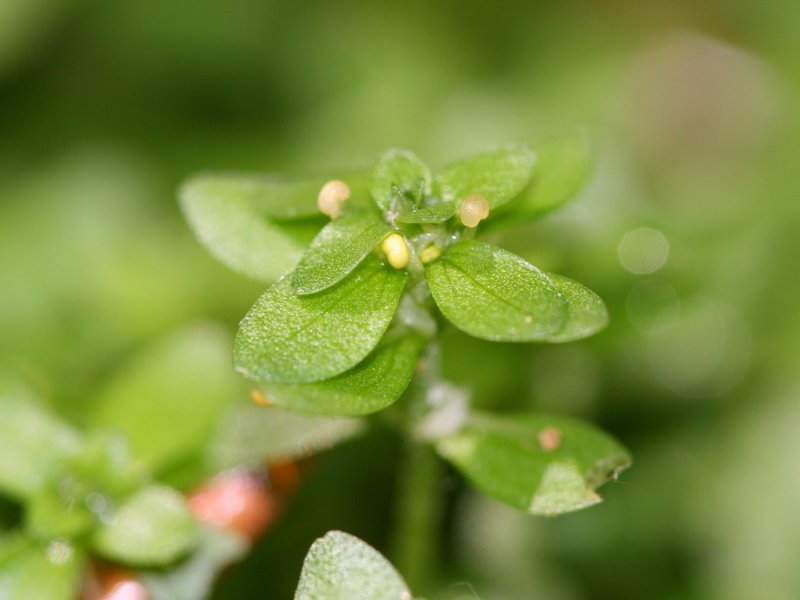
{"points": [[495, 295], [152, 528], [253, 434], [586, 312], [32, 440], [36, 572], [337, 250], [339, 566], [563, 166], [368, 387], [498, 176], [226, 221], [436, 213], [185, 378], [286, 338], [541, 464], [399, 173]]}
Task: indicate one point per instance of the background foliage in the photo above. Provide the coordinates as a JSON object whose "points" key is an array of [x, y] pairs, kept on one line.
{"points": [[687, 229]]}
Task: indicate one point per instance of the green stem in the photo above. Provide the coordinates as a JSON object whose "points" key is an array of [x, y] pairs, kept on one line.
{"points": [[416, 543], [420, 502]]}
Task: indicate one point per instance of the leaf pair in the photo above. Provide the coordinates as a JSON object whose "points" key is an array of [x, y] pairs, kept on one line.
{"points": [[495, 295]]}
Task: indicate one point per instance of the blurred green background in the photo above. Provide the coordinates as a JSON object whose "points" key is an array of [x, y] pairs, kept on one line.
{"points": [[688, 228]]}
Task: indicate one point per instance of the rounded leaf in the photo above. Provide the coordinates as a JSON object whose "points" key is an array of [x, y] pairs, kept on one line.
{"points": [[586, 312], [499, 175], [339, 566], [337, 250], [152, 528], [564, 164], [224, 218], [542, 464], [493, 294], [286, 338], [368, 387]]}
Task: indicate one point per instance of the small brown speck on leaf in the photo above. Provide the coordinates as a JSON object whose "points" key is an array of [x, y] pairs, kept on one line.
{"points": [[550, 439]]}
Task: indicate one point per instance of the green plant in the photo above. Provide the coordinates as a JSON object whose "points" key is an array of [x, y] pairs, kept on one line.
{"points": [[165, 423], [370, 267]]}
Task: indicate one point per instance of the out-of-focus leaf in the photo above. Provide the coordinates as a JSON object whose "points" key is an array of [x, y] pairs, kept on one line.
{"points": [[586, 312], [399, 173], [339, 566], [83, 486], [168, 399], [368, 387], [286, 338], [563, 166], [32, 441], [436, 213], [49, 515], [337, 250], [192, 578], [252, 434], [152, 528], [41, 572], [227, 221], [541, 464], [495, 295], [277, 196], [498, 176]]}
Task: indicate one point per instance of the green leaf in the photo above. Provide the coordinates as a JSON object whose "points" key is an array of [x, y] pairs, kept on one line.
{"points": [[152, 528], [495, 295], [586, 312], [32, 441], [194, 577], [167, 399], [286, 338], [399, 173], [253, 434], [498, 176], [82, 486], [226, 219], [339, 566], [42, 572], [277, 197], [435, 213], [368, 387], [337, 250], [563, 166], [541, 464]]}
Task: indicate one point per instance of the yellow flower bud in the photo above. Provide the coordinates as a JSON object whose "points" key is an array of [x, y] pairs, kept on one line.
{"points": [[332, 196], [473, 210], [396, 250], [429, 254]]}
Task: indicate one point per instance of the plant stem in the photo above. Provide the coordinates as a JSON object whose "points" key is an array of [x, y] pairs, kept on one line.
{"points": [[415, 548], [416, 543]]}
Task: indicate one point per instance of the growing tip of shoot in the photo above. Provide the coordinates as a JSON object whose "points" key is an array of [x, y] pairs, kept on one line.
{"points": [[332, 197], [473, 210], [396, 250]]}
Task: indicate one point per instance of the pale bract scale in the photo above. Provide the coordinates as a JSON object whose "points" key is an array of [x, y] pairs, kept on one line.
{"points": [[473, 210], [332, 196]]}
